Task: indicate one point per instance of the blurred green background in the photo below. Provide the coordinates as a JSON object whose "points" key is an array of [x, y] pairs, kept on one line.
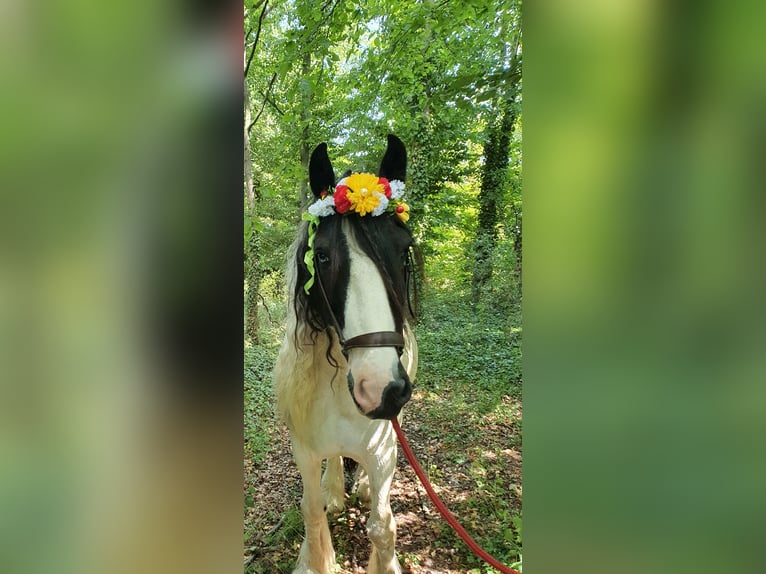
{"points": [[644, 367], [644, 395]]}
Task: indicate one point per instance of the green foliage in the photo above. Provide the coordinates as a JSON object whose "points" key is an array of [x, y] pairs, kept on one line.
{"points": [[271, 321], [259, 361], [469, 342], [351, 72]]}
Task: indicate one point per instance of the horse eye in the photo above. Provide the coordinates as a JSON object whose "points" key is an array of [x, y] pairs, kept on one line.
{"points": [[322, 258]]}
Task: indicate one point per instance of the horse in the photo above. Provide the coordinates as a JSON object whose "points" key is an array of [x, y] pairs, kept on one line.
{"points": [[350, 314]]}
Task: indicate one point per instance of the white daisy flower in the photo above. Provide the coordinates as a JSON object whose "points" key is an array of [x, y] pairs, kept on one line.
{"points": [[323, 207], [397, 188]]}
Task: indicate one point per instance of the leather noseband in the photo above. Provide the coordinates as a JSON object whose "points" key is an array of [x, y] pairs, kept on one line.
{"points": [[376, 339]]}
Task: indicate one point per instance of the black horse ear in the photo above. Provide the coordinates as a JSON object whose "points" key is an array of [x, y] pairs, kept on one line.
{"points": [[321, 175], [394, 163]]}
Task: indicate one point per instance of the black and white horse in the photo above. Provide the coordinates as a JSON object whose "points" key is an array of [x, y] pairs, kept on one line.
{"points": [[349, 356]]}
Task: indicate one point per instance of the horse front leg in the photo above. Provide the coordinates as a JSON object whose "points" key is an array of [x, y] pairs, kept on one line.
{"points": [[317, 555], [381, 527]]}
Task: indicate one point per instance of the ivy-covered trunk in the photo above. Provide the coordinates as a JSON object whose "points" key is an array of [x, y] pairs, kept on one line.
{"points": [[517, 248], [253, 279], [496, 148]]}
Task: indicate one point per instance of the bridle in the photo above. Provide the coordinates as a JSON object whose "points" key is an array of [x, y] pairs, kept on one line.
{"points": [[366, 340]]}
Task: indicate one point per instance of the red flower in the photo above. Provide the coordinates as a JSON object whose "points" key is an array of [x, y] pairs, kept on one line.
{"points": [[386, 187], [342, 203]]}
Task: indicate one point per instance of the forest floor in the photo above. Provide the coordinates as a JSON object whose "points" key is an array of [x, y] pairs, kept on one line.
{"points": [[464, 424]]}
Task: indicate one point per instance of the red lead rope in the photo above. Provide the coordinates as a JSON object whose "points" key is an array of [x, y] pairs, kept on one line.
{"points": [[443, 510]]}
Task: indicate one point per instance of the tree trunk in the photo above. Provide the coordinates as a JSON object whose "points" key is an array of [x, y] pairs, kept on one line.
{"points": [[253, 279], [248, 162], [420, 153], [493, 176], [252, 276]]}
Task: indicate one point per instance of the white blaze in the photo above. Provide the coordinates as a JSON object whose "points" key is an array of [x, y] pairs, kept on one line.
{"points": [[368, 310]]}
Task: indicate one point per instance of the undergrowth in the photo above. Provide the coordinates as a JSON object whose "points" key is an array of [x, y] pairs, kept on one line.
{"points": [[463, 341], [259, 401], [259, 362], [470, 395]]}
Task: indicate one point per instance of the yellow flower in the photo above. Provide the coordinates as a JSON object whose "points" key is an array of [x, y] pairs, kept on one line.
{"points": [[403, 212], [361, 192], [363, 202]]}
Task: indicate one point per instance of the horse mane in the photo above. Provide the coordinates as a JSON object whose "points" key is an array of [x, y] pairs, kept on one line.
{"points": [[299, 365], [309, 309]]}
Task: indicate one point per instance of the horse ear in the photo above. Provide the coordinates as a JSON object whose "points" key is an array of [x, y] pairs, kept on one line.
{"points": [[394, 163], [321, 174]]}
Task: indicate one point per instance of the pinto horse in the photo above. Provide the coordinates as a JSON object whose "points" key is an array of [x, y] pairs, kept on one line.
{"points": [[349, 325]]}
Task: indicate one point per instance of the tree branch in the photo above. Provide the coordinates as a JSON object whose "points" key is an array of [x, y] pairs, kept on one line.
{"points": [[263, 105], [330, 14], [273, 322], [272, 103], [257, 34]]}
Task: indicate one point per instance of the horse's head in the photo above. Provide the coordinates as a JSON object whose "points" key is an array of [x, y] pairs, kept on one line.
{"points": [[354, 275]]}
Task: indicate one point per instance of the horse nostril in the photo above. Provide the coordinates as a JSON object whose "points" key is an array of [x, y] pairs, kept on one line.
{"points": [[401, 386], [397, 393], [406, 391], [361, 388]]}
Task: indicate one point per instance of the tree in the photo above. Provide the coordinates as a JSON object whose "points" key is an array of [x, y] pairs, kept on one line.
{"points": [[493, 184], [252, 275], [494, 175]]}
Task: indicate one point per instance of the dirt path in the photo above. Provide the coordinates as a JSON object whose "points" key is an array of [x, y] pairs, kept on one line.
{"points": [[478, 475]]}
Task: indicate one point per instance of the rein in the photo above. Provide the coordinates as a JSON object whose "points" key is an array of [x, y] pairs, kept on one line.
{"points": [[395, 339], [441, 507], [366, 340]]}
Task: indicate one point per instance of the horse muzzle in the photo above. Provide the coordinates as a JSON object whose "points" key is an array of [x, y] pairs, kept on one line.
{"points": [[376, 400]]}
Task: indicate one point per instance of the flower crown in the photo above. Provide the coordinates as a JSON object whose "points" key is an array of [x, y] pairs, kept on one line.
{"points": [[360, 193], [363, 193]]}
